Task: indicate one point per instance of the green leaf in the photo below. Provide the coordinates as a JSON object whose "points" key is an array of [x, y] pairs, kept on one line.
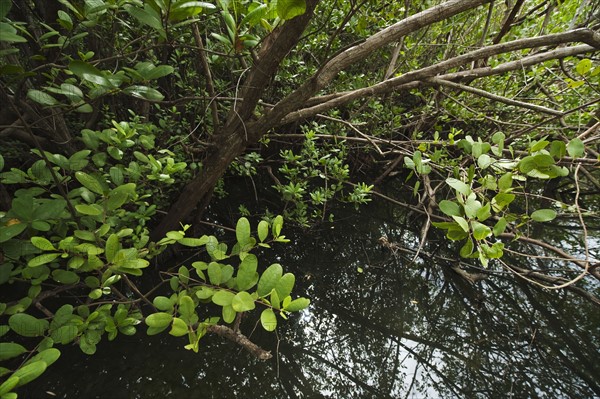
{"points": [[187, 308], [146, 16], [462, 223], [8, 350], [480, 230], [285, 285], [42, 259], [242, 231], [163, 303], [49, 356], [450, 208], [86, 71], [193, 242], [263, 230], [499, 227], [158, 72], [269, 279], [179, 328], [89, 182], [583, 66], [159, 320], [288, 9], [268, 319], [223, 297], [27, 325], [145, 92], [247, 276], [575, 148], [41, 98], [228, 314], [65, 276], [298, 304], [91, 210], [467, 249], [242, 302], [459, 186], [5, 6], [8, 386], [30, 372], [484, 161], [42, 243], [8, 232], [65, 334], [505, 182], [484, 213], [214, 273], [543, 215], [112, 247]]}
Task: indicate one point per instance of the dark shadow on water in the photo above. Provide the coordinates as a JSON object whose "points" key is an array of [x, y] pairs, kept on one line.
{"points": [[379, 326]]}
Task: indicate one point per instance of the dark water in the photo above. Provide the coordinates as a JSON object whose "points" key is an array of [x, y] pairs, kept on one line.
{"points": [[398, 329]]}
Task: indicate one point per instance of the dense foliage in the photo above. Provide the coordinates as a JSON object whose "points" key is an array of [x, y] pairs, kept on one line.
{"points": [[122, 118]]}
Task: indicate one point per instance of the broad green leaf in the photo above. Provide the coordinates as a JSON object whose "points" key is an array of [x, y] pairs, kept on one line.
{"points": [[543, 215], [65, 276], [242, 302], [263, 230], [223, 297], [575, 148], [65, 334], [90, 73], [27, 325], [462, 223], [7, 386], [484, 161], [112, 247], [49, 356], [30, 372], [288, 9], [5, 6], [159, 72], [214, 273], [146, 16], [91, 210], [179, 328], [285, 285], [459, 186], [450, 208], [499, 227], [246, 276], [242, 231], [8, 232], [268, 319], [159, 320], [42, 243], [163, 303], [42, 259], [277, 226], [145, 92], [228, 314], [193, 242], [297, 305], [269, 279], [583, 66], [484, 213], [41, 97], [187, 308], [480, 230], [467, 249], [89, 182], [8, 350], [505, 182]]}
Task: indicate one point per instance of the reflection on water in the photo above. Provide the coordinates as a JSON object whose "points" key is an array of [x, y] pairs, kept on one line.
{"points": [[379, 326]]}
